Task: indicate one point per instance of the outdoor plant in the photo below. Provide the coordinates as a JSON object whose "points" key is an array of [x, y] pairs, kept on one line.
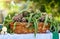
{"points": [[32, 21], [29, 22]]}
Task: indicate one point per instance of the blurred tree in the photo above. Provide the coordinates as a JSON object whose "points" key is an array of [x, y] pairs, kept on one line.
{"points": [[49, 6]]}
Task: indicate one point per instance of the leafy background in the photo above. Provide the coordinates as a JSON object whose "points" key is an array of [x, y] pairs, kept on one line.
{"points": [[48, 6]]}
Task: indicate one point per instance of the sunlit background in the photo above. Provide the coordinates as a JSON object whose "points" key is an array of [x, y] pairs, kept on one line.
{"points": [[48, 6], [51, 7]]}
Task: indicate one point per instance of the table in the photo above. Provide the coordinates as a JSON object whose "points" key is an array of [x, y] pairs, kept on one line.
{"points": [[26, 36]]}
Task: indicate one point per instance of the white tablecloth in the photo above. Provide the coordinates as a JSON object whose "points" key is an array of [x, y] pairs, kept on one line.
{"points": [[26, 36]]}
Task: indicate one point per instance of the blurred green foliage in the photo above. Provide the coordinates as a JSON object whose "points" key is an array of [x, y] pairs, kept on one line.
{"points": [[48, 6]]}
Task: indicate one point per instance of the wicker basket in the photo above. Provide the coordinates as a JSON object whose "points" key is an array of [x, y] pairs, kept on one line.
{"points": [[22, 29]]}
